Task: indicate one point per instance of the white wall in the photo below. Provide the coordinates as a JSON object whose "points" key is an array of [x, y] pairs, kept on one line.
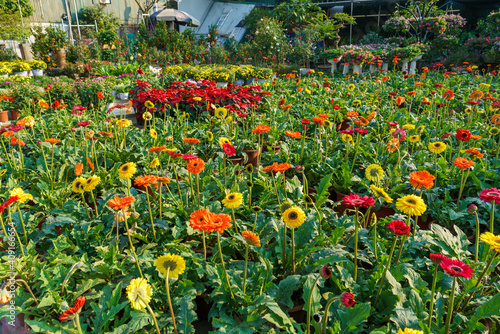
{"points": [[196, 8]]}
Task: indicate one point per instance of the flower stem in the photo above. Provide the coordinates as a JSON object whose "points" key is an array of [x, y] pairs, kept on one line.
{"points": [[492, 217], [476, 258], [480, 279], [154, 318], [234, 220], [130, 243], [22, 224], [356, 229], [382, 279], [170, 300], [431, 307], [150, 212], [450, 306], [245, 272], [293, 251], [325, 315], [309, 302], [78, 327], [223, 266]]}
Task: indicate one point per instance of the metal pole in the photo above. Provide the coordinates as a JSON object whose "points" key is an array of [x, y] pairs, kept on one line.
{"points": [[350, 29], [20, 12], [96, 30], [77, 21], [70, 33], [378, 21]]}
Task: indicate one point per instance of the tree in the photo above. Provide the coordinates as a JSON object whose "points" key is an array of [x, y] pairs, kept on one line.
{"points": [[105, 21], [12, 7], [11, 26]]}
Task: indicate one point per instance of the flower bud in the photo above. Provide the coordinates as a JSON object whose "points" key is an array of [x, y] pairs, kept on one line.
{"points": [[325, 272], [472, 209]]}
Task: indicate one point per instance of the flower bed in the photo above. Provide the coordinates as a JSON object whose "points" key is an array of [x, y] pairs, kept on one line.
{"points": [[127, 229]]}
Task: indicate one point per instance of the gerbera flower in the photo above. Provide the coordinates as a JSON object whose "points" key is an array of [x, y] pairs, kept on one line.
{"points": [[78, 169], [463, 163], [346, 138], [9, 201], [437, 258], [475, 137], [146, 180], [494, 131], [421, 179], [224, 140], [172, 264], [220, 222], [196, 166], [126, 171], [191, 141], [463, 135], [80, 301], [437, 147], [99, 95], [379, 192], [293, 134], [409, 331], [201, 220], [188, 157], [91, 165], [411, 205], [413, 138], [155, 162], [157, 149], [400, 134], [5, 296], [492, 240], [229, 149], [233, 200], [139, 293], [118, 203], [352, 113], [399, 227], [356, 201], [347, 299], [448, 94], [392, 145], [325, 272], [251, 238], [148, 104], [91, 183], [476, 95], [53, 141], [281, 168], [488, 195], [77, 185], [261, 129], [356, 103], [294, 217], [361, 121], [153, 133], [210, 136], [220, 113], [351, 87], [374, 172], [456, 268], [147, 115]]}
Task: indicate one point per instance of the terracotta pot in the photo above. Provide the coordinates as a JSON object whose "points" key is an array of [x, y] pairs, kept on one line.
{"points": [[237, 161], [4, 116], [343, 126], [298, 313], [15, 114], [61, 58], [252, 156]]}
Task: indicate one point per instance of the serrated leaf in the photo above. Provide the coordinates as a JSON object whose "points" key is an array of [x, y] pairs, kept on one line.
{"points": [[322, 190], [352, 317], [140, 319], [486, 310], [453, 246], [282, 292], [405, 318], [48, 300]]}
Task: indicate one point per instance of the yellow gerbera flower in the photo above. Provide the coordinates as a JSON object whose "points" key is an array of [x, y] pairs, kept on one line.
{"points": [[127, 170], [23, 197], [494, 131], [220, 113], [294, 217], [379, 192], [351, 87], [413, 138], [148, 104], [492, 240], [346, 138], [408, 126], [77, 185], [147, 116], [374, 172], [410, 331], [356, 103], [139, 293], [124, 123], [210, 136], [233, 200], [437, 147], [91, 183], [224, 140], [172, 264], [155, 163], [411, 205]]}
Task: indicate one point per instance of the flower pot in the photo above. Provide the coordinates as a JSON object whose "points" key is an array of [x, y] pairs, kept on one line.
{"points": [[37, 72], [252, 156], [334, 63], [15, 114], [264, 80], [358, 68], [4, 116], [61, 58], [239, 82], [373, 68], [413, 66], [385, 66], [221, 84], [404, 64], [249, 81], [123, 96], [23, 73], [298, 313], [113, 92], [237, 161], [346, 69]]}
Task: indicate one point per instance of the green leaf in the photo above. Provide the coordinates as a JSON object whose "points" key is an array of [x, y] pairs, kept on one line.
{"points": [[416, 304], [311, 284], [48, 300], [486, 310], [322, 190], [140, 319], [43, 327], [186, 313], [276, 316], [123, 329], [352, 317], [453, 246], [405, 318], [282, 292]]}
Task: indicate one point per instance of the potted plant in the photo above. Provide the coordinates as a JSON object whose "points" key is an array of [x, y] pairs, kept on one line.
{"points": [[37, 67], [4, 105], [122, 91], [242, 74], [5, 69], [263, 74], [20, 67]]}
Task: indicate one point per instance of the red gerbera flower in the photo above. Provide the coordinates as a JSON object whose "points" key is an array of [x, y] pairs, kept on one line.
{"points": [[463, 135], [399, 227], [229, 149], [354, 200], [325, 272], [347, 299], [437, 258], [99, 95], [8, 202], [456, 268], [76, 308], [448, 95], [489, 195]]}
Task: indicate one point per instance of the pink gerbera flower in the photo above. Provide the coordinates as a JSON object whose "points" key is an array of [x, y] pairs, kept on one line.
{"points": [[356, 201], [456, 268], [489, 195]]}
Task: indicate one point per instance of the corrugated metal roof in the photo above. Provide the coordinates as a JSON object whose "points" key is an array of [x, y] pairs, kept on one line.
{"points": [[47, 11]]}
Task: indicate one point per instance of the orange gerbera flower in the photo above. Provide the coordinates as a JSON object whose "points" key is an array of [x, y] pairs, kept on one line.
{"points": [[474, 153], [53, 141], [191, 141], [476, 95], [400, 100], [385, 78], [118, 203], [422, 77], [78, 169], [372, 115], [352, 113], [495, 119], [195, 166], [299, 90], [270, 167], [422, 179], [145, 181], [282, 167], [293, 134], [463, 163], [43, 105], [475, 136], [392, 145], [107, 134], [251, 238], [288, 106], [163, 179], [90, 164], [7, 134], [261, 129], [201, 220], [13, 141], [323, 115], [411, 93], [318, 120], [220, 222], [157, 149], [362, 121], [418, 83], [488, 96]]}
